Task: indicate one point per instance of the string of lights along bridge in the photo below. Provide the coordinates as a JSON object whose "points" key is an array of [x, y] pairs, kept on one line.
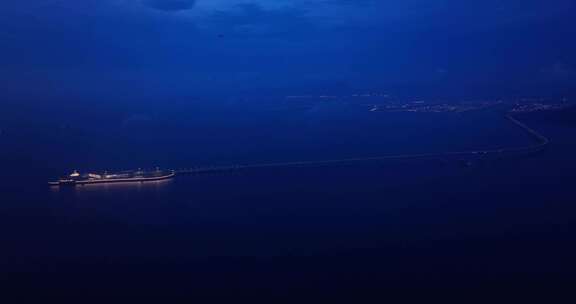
{"points": [[541, 143], [145, 176]]}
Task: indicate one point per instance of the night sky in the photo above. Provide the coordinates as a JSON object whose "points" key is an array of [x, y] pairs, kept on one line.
{"points": [[158, 47]]}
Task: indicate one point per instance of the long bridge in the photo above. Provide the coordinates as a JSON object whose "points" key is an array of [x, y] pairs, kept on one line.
{"points": [[540, 143]]}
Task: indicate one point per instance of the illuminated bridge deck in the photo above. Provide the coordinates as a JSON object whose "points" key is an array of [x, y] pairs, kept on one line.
{"points": [[540, 143]]}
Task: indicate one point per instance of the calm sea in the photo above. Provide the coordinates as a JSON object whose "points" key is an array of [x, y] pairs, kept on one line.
{"points": [[431, 225]]}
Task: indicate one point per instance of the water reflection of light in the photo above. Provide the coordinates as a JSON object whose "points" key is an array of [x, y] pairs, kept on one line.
{"points": [[120, 186]]}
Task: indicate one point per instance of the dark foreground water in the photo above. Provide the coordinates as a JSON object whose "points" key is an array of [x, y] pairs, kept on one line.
{"points": [[498, 228]]}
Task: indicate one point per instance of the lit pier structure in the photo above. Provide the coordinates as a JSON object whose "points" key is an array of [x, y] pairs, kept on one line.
{"points": [[139, 176], [540, 143]]}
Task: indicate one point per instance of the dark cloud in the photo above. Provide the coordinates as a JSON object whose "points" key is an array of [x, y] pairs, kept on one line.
{"points": [[171, 5], [257, 21]]}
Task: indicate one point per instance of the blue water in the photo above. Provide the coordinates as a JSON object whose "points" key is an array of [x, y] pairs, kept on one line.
{"points": [[430, 225]]}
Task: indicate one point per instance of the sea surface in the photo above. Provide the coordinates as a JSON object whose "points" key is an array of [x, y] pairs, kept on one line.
{"points": [[351, 229]]}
